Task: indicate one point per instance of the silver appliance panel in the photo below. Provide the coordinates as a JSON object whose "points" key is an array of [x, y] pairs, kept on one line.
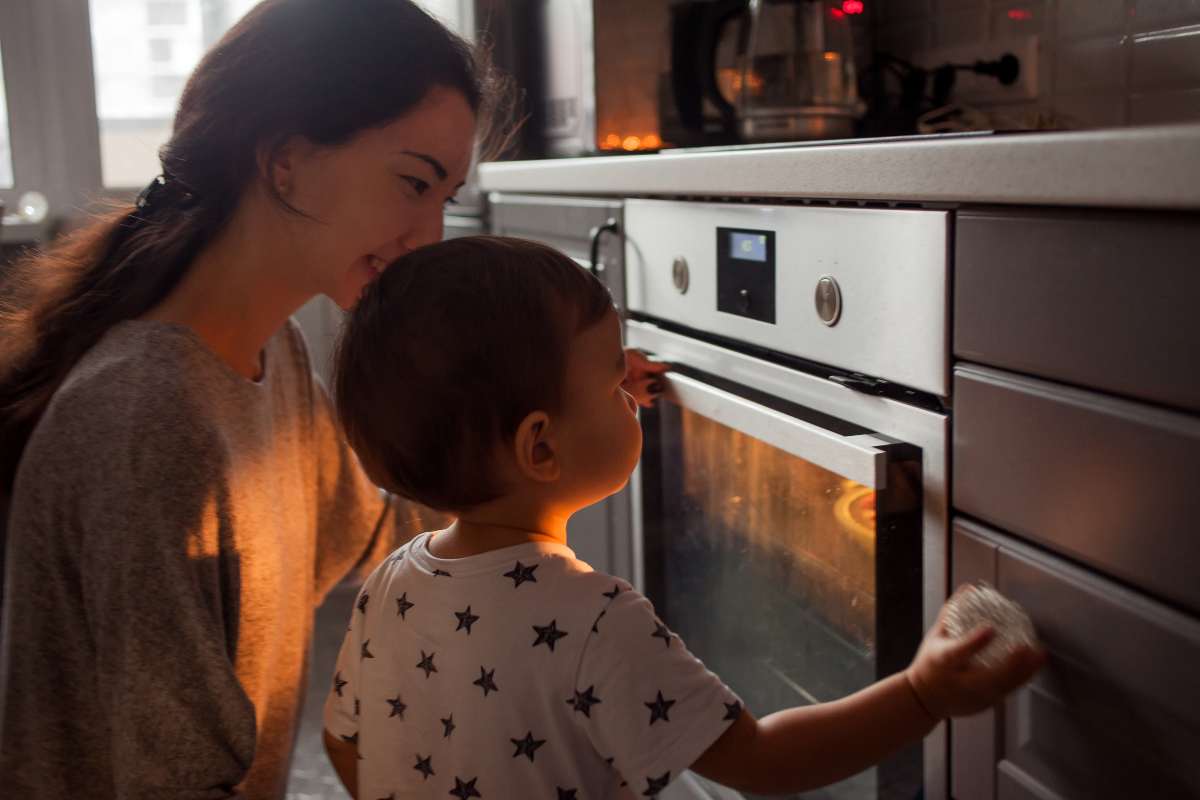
{"points": [[889, 265]]}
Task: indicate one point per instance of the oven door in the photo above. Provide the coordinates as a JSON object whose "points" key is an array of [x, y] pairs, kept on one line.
{"points": [[782, 543]]}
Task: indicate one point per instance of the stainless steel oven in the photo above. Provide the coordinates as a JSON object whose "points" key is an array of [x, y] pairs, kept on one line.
{"points": [[789, 512]]}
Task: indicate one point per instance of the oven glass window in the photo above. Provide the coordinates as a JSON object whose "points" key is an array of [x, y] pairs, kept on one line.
{"points": [[775, 573]]}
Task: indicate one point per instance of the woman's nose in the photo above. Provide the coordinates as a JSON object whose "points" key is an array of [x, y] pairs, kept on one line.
{"points": [[429, 229]]}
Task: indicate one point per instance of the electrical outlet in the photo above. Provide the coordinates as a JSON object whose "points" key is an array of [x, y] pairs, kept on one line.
{"points": [[970, 87]]}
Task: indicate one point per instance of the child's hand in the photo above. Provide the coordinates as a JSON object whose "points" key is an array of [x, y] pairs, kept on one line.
{"points": [[948, 683], [642, 377]]}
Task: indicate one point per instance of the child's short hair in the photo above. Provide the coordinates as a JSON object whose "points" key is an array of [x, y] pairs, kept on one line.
{"points": [[448, 351]]}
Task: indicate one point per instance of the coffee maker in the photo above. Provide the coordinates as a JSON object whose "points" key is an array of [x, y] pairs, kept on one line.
{"points": [[759, 71]]}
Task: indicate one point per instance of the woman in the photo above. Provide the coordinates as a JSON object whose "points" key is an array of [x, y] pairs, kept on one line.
{"points": [[181, 498]]}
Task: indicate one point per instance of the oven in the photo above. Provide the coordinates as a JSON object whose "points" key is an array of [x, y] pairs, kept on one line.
{"points": [[789, 510]]}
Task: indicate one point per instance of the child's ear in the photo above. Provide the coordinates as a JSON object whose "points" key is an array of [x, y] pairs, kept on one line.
{"points": [[535, 450]]}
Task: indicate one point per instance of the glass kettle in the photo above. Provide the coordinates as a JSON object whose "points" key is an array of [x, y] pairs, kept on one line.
{"points": [[794, 75]]}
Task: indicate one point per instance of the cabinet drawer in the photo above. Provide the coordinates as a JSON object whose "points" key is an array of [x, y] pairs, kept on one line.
{"points": [[1109, 482], [1115, 713], [1099, 300]]}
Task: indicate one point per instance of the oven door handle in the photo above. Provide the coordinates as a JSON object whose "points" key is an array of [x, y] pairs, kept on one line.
{"points": [[859, 457]]}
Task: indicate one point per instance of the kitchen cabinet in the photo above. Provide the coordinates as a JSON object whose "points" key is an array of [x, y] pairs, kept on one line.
{"points": [[1116, 711]]}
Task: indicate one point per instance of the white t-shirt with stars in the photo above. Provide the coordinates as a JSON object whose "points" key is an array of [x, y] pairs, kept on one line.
{"points": [[517, 673]]}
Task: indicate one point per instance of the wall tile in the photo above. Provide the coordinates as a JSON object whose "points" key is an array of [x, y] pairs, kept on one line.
{"points": [[961, 27], [1076, 18], [1160, 107], [902, 9], [905, 39], [1021, 18], [1168, 59], [1090, 64], [1090, 110], [1153, 14]]}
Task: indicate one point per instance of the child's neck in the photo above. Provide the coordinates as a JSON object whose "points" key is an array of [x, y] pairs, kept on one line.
{"points": [[497, 525]]}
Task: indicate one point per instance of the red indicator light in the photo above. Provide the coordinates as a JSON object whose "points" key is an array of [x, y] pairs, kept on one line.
{"points": [[1020, 14], [852, 6], [837, 13]]}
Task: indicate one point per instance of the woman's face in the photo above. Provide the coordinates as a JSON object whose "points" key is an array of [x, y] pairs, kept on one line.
{"points": [[376, 197]]}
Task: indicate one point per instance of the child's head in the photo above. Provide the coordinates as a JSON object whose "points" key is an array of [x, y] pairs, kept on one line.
{"points": [[485, 367]]}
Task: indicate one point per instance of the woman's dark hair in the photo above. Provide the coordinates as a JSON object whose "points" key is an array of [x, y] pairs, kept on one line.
{"points": [[448, 352], [321, 69]]}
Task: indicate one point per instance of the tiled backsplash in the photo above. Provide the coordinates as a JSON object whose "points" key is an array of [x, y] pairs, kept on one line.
{"points": [[1099, 62]]}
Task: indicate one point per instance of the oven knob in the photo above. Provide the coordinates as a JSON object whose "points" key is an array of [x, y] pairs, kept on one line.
{"points": [[744, 300], [829, 300], [679, 274]]}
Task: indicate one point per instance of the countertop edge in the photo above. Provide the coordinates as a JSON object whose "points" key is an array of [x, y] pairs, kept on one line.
{"points": [[1150, 167]]}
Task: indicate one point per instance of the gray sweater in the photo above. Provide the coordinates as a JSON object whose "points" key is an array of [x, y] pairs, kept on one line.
{"points": [[173, 526]]}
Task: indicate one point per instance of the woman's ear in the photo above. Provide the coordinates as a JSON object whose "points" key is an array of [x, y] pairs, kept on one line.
{"points": [[535, 450], [277, 163]]}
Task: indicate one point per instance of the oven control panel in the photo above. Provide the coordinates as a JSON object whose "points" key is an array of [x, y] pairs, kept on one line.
{"points": [[746, 273], [859, 289]]}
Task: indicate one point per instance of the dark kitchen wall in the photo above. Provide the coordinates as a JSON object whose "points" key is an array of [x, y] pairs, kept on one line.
{"points": [[1091, 63]]}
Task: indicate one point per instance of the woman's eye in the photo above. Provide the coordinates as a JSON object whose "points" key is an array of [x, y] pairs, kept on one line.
{"points": [[450, 201], [419, 186]]}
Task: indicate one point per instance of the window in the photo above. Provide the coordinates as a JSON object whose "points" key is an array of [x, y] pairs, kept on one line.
{"points": [[143, 51], [6, 172], [167, 12], [160, 50]]}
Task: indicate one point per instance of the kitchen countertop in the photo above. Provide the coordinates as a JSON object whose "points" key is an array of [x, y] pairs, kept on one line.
{"points": [[1150, 167]]}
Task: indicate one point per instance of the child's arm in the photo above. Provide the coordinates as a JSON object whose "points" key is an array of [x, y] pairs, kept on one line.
{"points": [[803, 748], [344, 757]]}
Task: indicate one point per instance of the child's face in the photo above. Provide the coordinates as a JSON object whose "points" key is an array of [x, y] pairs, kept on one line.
{"points": [[599, 437]]}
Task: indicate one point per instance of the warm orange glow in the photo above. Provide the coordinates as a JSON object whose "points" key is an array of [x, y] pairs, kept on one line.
{"points": [[829, 55], [612, 141], [631, 143], [790, 510], [651, 141]]}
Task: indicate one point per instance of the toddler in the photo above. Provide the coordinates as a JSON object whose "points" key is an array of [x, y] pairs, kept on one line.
{"points": [[483, 377]]}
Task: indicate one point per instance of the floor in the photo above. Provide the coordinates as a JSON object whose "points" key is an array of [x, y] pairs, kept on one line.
{"points": [[312, 775]]}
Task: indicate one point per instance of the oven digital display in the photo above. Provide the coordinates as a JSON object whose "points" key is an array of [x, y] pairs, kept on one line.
{"points": [[746, 273], [748, 246]]}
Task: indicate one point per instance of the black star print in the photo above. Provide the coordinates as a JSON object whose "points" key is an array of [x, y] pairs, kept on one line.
{"points": [[485, 681], [350, 739], [616, 590], [466, 619], [656, 785], [442, 572], [463, 791], [597, 622], [402, 605], [338, 683], [548, 634], [366, 653], [397, 707], [448, 724], [732, 710], [527, 746], [521, 573], [661, 632], [362, 602], [583, 701], [659, 709], [426, 663], [424, 765], [566, 794]]}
